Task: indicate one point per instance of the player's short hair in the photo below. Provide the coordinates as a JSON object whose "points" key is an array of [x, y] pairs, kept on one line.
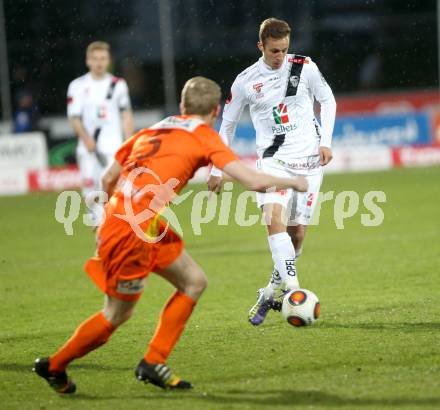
{"points": [[97, 45], [274, 28], [200, 96]]}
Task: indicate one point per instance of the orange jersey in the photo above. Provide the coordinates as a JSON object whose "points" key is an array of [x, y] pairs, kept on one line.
{"points": [[158, 162]]}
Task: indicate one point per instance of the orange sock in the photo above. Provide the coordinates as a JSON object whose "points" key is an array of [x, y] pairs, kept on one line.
{"points": [[172, 321], [90, 334]]}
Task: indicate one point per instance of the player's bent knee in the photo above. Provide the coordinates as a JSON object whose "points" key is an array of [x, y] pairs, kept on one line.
{"points": [[195, 287], [201, 283], [298, 244], [117, 311], [297, 234], [117, 318], [298, 237], [276, 223], [276, 228]]}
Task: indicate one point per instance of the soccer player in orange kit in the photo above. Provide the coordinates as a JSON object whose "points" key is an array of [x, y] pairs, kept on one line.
{"points": [[132, 241]]}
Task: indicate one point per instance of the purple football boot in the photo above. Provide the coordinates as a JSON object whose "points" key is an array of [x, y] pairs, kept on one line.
{"points": [[259, 311]]}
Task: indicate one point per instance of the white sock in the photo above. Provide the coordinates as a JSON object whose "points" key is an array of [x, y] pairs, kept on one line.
{"points": [[283, 255], [274, 284], [95, 204]]}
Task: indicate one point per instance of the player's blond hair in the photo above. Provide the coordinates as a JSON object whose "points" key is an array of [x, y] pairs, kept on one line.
{"points": [[274, 28], [97, 45], [200, 96]]}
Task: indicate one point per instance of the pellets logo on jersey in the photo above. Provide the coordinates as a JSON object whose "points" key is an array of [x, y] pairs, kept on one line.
{"points": [[101, 112], [310, 199], [280, 114]]}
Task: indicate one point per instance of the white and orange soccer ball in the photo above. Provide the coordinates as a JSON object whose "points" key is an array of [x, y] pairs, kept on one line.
{"points": [[300, 307]]}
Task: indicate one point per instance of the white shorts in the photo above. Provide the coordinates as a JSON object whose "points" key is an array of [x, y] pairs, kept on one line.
{"points": [[298, 205], [92, 169]]}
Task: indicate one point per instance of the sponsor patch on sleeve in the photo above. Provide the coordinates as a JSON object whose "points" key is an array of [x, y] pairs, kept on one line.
{"points": [[229, 99]]}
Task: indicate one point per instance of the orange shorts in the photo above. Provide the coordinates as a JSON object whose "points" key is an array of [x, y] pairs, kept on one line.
{"points": [[124, 260]]}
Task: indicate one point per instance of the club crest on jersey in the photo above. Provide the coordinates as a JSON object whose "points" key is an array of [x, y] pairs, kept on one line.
{"points": [[258, 87], [294, 80]]}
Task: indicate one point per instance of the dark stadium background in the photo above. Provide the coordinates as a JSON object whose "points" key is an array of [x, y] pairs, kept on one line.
{"points": [[46, 42]]}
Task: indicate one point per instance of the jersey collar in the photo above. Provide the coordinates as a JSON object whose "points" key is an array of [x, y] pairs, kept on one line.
{"points": [[106, 77], [264, 68]]}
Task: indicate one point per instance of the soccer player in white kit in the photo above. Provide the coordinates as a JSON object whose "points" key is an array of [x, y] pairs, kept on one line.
{"points": [[99, 110], [280, 90]]}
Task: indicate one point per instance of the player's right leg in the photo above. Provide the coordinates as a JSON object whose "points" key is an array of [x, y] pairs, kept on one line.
{"points": [[88, 167], [91, 334], [303, 206], [297, 234], [283, 256], [276, 207], [190, 282], [90, 171], [286, 241], [119, 253]]}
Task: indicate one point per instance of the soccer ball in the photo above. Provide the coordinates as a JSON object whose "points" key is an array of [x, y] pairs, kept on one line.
{"points": [[300, 307]]}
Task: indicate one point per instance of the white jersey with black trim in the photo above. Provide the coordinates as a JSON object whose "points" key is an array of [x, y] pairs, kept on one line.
{"points": [[99, 104], [281, 107]]}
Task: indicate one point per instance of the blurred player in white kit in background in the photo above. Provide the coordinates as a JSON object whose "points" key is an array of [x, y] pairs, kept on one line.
{"points": [[99, 110]]}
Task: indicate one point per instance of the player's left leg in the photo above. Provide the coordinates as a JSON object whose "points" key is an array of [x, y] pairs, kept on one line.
{"points": [[90, 171], [96, 199], [190, 282], [91, 334], [286, 235], [276, 209], [284, 275], [297, 234], [303, 206]]}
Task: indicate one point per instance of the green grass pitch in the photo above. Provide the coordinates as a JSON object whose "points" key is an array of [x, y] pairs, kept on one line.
{"points": [[376, 345]]}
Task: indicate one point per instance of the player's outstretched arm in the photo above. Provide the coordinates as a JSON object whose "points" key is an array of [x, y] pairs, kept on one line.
{"points": [[260, 182], [127, 123], [215, 183], [110, 178]]}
